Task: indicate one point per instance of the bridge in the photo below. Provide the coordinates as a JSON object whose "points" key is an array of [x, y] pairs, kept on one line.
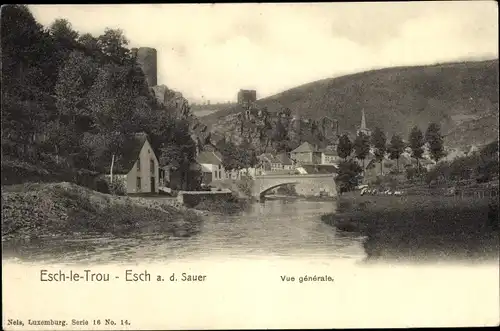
{"points": [[306, 185]]}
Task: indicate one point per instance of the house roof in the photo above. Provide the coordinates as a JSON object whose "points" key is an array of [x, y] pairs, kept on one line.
{"points": [[329, 151], [305, 147], [128, 153], [269, 157], [209, 157], [284, 159], [368, 160]]}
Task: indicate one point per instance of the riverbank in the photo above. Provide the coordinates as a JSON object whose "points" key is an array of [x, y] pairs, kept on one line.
{"points": [[231, 206], [420, 227], [34, 210]]}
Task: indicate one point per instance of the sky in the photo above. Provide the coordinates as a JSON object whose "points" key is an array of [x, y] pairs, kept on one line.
{"points": [[209, 52]]}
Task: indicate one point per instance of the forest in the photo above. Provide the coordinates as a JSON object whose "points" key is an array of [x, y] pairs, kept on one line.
{"points": [[70, 100]]}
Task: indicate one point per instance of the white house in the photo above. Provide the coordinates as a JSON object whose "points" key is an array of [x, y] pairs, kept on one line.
{"points": [[136, 165], [285, 161], [329, 157], [211, 166], [269, 162]]}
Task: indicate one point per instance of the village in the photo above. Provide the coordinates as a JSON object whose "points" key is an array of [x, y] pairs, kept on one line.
{"points": [[94, 142], [147, 175]]}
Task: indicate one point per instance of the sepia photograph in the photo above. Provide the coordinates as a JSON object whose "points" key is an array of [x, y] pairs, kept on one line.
{"points": [[250, 165]]}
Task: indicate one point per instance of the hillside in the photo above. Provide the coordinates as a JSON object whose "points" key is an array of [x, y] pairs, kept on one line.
{"points": [[463, 97], [204, 110]]}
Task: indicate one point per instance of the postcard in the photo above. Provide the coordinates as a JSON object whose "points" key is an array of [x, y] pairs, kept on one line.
{"points": [[250, 166]]}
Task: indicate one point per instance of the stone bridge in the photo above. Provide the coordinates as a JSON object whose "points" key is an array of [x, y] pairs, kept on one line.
{"points": [[305, 185]]}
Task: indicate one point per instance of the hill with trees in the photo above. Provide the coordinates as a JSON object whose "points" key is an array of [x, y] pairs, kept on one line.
{"points": [[461, 97], [71, 101]]}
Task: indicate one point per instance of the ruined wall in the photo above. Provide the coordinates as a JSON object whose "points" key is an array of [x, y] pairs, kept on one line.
{"points": [[247, 97]]}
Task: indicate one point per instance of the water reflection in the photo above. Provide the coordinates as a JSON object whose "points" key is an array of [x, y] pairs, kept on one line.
{"points": [[274, 228]]}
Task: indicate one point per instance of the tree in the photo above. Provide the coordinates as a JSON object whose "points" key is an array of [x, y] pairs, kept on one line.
{"points": [[231, 155], [416, 143], [75, 80], [348, 175], [434, 139], [362, 147], [396, 148], [118, 97], [62, 31], [379, 144], [344, 148], [279, 135], [22, 39], [27, 78], [64, 40], [249, 157], [90, 43], [113, 44]]}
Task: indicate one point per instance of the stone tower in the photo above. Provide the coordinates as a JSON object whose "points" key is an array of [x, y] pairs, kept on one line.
{"points": [[147, 58], [247, 97]]}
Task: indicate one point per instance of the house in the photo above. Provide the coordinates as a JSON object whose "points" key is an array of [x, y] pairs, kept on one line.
{"points": [[268, 162], [232, 174], [427, 164], [174, 178], [306, 154], [136, 165], [211, 166], [452, 154], [329, 156], [287, 163]]}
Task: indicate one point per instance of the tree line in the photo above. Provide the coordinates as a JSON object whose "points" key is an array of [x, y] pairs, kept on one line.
{"points": [[481, 166], [349, 171], [362, 144], [71, 100]]}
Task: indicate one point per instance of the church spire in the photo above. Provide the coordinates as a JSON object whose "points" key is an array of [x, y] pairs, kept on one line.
{"points": [[363, 129], [363, 120]]}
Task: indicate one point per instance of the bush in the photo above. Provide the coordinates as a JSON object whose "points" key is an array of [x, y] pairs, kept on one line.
{"points": [[245, 185], [117, 187], [102, 185]]}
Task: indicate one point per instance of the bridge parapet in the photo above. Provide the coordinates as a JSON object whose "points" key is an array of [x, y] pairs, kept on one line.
{"points": [[306, 185]]}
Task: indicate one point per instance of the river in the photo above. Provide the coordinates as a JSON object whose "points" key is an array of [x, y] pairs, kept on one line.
{"points": [[275, 228], [275, 265]]}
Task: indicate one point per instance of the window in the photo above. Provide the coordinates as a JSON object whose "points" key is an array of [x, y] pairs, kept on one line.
{"points": [[152, 167], [138, 164], [139, 184]]}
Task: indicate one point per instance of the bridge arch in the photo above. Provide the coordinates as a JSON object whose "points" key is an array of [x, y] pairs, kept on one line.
{"points": [[264, 191]]}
